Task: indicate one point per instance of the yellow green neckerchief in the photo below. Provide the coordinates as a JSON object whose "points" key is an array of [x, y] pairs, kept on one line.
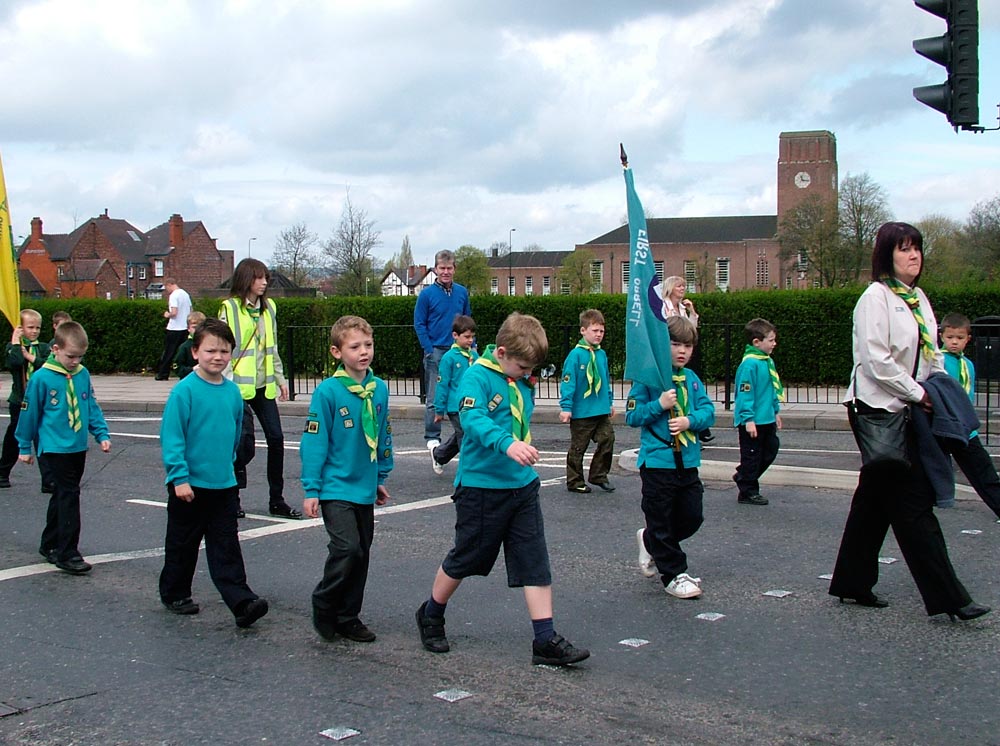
{"points": [[752, 353], [72, 402], [467, 354], [909, 295], [682, 409], [32, 346], [594, 381], [521, 429], [963, 371], [365, 391]]}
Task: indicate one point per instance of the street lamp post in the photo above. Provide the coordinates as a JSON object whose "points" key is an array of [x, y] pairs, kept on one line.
{"points": [[248, 245], [510, 261]]}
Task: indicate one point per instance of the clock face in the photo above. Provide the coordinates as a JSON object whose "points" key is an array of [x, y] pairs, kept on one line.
{"points": [[802, 179]]}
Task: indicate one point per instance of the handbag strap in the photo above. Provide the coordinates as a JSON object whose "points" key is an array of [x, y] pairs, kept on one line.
{"points": [[913, 375]]}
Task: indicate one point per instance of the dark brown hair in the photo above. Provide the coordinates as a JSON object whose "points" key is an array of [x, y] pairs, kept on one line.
{"points": [[244, 275], [215, 328], [889, 236], [758, 329]]}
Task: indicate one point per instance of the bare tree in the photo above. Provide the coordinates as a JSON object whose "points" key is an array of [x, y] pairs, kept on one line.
{"points": [[295, 254], [810, 238], [864, 206], [350, 249]]}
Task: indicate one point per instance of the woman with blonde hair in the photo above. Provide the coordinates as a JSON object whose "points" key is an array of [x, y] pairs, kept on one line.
{"points": [[674, 302]]}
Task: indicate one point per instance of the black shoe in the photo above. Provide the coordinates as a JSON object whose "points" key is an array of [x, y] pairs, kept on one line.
{"points": [[557, 652], [250, 611], [75, 566], [580, 488], [284, 510], [867, 599], [183, 606], [355, 630], [705, 436], [324, 627], [971, 610], [50, 555], [161, 378], [752, 500], [431, 630], [240, 513], [4, 482], [606, 486], [48, 489]]}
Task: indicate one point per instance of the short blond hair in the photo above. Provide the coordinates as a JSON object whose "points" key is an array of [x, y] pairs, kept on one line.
{"points": [[346, 324], [523, 338], [32, 314], [196, 317]]}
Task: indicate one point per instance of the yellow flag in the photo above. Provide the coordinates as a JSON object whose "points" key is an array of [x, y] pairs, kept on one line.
{"points": [[10, 287]]}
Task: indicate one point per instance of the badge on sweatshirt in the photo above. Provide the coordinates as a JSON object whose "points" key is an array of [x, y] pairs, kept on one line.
{"points": [[744, 387], [386, 453], [312, 427], [24, 405], [344, 411], [348, 423], [495, 402], [630, 405], [439, 379], [469, 401], [566, 378]]}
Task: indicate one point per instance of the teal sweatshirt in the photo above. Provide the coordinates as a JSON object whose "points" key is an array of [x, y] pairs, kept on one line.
{"points": [[452, 367], [45, 417], [488, 425], [336, 460], [199, 432], [643, 410], [756, 399], [574, 385], [952, 366]]}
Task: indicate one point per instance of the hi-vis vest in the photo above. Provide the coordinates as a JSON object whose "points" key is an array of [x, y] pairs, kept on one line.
{"points": [[248, 344]]}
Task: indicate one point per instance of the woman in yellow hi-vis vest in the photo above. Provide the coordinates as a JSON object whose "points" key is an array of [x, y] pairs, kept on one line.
{"points": [[257, 369]]}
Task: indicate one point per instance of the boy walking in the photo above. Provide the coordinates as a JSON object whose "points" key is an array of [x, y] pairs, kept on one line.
{"points": [[972, 459], [458, 359], [669, 457], [199, 434], [496, 493], [184, 360], [25, 355], [586, 402], [346, 452], [755, 412], [57, 412]]}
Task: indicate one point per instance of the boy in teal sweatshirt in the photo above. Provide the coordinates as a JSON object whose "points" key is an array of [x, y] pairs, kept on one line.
{"points": [[755, 412], [346, 453], [453, 365], [199, 433], [496, 493], [586, 402], [57, 412], [669, 457]]}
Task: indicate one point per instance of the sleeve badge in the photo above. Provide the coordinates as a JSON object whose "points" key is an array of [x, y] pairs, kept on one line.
{"points": [[469, 401], [630, 406], [744, 387], [312, 427]]}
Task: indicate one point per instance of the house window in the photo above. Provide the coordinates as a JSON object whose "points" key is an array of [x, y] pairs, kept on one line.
{"points": [[158, 268], [801, 262], [546, 286], [510, 286], [597, 275], [564, 288], [691, 275], [142, 273], [626, 274], [788, 282], [59, 272], [494, 286], [131, 271], [527, 285], [722, 273], [658, 268], [763, 274]]}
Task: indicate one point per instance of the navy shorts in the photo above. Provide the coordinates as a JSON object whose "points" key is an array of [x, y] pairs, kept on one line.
{"points": [[485, 520]]}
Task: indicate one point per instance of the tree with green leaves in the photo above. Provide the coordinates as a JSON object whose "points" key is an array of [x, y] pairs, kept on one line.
{"points": [[472, 270], [350, 249], [577, 272], [946, 258], [982, 234], [403, 259], [295, 253]]}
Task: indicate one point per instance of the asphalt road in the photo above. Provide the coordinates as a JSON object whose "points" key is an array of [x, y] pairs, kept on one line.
{"points": [[97, 660]]}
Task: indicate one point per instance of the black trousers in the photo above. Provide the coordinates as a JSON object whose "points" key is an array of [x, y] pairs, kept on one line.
{"points": [[672, 504], [978, 468], [901, 498], [171, 343], [210, 516], [756, 454], [62, 519], [8, 456], [350, 527], [450, 448], [582, 430], [270, 422]]}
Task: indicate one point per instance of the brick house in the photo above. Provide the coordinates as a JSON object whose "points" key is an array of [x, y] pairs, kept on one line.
{"points": [[110, 258]]}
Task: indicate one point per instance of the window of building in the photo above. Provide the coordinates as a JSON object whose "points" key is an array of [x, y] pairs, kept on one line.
{"points": [[142, 273], [131, 271], [801, 262], [494, 286], [722, 273], [788, 282], [510, 286], [60, 272], [763, 274], [546, 285], [597, 276], [527, 285], [691, 275], [658, 268], [158, 268], [626, 275], [564, 288]]}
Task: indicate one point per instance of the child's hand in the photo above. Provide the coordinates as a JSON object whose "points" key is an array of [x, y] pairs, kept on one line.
{"points": [[26, 458], [15, 337], [777, 420], [751, 429], [183, 491], [381, 495], [668, 399], [523, 453], [283, 392], [438, 418], [310, 506], [612, 415], [678, 425], [106, 446], [565, 417]]}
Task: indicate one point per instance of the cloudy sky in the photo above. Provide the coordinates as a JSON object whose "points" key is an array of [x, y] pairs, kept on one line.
{"points": [[453, 121]]}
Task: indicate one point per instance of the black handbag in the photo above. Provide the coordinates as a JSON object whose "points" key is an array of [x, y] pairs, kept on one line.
{"points": [[881, 435]]}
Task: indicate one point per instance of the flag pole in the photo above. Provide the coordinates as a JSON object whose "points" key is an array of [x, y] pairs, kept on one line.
{"points": [[10, 286]]}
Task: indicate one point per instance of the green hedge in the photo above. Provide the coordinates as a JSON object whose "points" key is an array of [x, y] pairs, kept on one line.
{"points": [[814, 327]]}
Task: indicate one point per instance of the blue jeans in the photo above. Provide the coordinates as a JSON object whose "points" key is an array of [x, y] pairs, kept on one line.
{"points": [[270, 422], [432, 429]]}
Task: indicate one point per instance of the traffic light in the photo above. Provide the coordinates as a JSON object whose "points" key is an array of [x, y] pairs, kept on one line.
{"points": [[958, 50]]}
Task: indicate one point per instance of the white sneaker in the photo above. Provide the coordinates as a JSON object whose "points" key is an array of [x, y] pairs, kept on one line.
{"points": [[646, 565], [683, 586], [431, 445]]}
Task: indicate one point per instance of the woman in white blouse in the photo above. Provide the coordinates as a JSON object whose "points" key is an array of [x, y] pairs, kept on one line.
{"points": [[674, 302], [895, 348]]}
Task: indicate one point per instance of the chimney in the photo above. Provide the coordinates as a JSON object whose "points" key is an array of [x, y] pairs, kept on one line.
{"points": [[36, 230], [105, 215], [176, 234]]}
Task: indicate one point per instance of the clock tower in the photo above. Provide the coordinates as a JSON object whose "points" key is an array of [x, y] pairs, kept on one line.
{"points": [[807, 164]]}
